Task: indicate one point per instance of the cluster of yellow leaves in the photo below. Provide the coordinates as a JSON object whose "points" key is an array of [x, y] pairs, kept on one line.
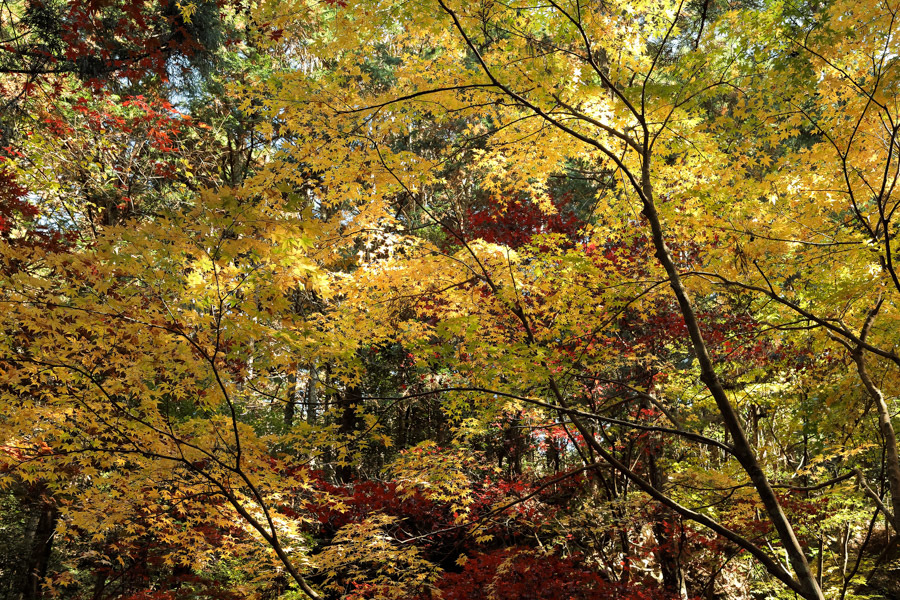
{"points": [[132, 370]]}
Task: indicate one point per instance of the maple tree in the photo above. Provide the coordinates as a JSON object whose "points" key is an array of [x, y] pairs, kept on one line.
{"points": [[439, 298]]}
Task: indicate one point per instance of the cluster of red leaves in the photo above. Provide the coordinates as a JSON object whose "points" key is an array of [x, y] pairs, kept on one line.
{"points": [[144, 134], [13, 207], [433, 523], [801, 508], [514, 223], [365, 498], [152, 117], [19, 223], [552, 437], [730, 335], [506, 566], [99, 38], [518, 573]]}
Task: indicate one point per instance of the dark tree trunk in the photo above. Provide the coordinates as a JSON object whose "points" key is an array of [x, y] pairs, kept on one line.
{"points": [[349, 420], [39, 545], [665, 528], [290, 400], [311, 402]]}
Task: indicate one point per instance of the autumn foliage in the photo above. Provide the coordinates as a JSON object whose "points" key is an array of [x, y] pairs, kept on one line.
{"points": [[440, 299]]}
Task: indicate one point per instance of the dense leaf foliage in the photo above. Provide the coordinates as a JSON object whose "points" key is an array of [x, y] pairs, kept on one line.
{"points": [[441, 299]]}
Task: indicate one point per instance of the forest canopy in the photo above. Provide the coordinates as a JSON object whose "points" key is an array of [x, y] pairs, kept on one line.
{"points": [[368, 299]]}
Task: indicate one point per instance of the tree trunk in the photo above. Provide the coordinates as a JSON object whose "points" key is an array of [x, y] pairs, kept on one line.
{"points": [[892, 460], [39, 537], [311, 402], [289, 403], [743, 450], [665, 527], [351, 398]]}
